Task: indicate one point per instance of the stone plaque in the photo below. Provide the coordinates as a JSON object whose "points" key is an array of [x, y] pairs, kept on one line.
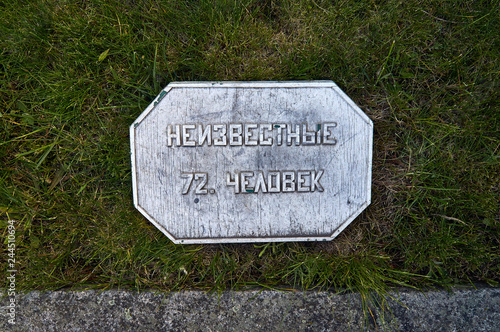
{"points": [[251, 161]]}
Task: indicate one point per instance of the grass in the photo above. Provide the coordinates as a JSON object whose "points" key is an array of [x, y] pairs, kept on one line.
{"points": [[75, 75]]}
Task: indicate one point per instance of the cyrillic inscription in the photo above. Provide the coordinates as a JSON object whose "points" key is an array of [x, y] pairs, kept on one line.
{"points": [[275, 181], [217, 162], [250, 134], [247, 182]]}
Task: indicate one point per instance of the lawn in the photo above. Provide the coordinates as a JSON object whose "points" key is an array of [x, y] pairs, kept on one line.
{"points": [[75, 74]]}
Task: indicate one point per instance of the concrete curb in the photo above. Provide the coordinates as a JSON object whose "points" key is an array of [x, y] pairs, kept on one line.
{"points": [[462, 309]]}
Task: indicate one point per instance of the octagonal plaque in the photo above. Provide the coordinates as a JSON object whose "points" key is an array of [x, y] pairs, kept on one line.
{"points": [[251, 161]]}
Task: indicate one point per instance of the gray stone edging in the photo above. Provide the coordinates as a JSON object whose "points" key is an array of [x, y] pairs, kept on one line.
{"points": [[464, 309]]}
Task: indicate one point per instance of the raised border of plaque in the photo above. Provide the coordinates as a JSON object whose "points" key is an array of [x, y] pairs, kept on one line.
{"points": [[229, 162]]}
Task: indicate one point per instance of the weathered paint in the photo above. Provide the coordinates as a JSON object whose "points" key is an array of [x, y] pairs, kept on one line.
{"points": [[251, 161]]}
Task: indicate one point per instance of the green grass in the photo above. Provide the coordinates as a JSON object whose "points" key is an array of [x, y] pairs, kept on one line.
{"points": [[75, 75]]}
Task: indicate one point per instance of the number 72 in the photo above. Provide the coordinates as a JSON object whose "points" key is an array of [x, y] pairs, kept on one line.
{"points": [[202, 179]]}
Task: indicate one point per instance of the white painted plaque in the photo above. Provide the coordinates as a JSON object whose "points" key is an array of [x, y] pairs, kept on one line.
{"points": [[251, 161]]}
